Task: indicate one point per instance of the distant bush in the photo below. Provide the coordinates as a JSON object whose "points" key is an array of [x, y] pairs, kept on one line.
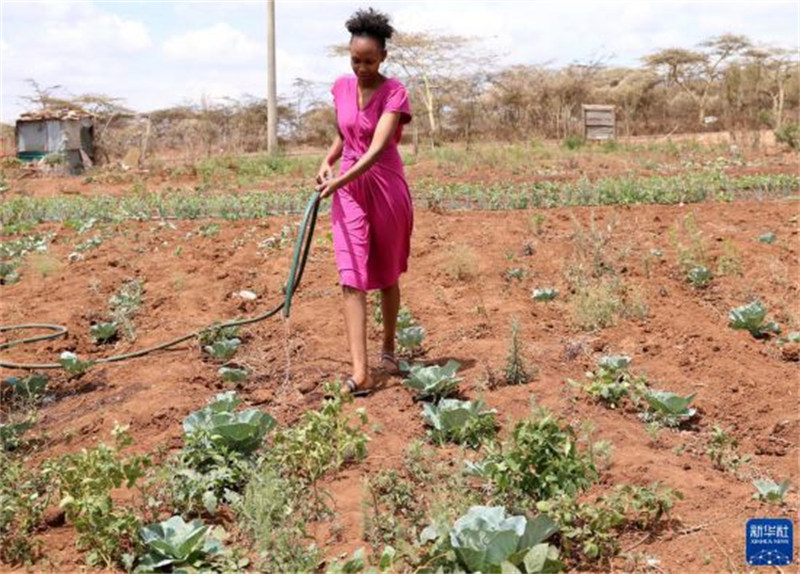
{"points": [[573, 142], [789, 134]]}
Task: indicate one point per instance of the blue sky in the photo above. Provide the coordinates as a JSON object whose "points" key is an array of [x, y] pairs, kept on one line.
{"points": [[157, 54]]}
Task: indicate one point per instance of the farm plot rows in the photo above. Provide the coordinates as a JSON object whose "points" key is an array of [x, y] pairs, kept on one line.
{"points": [[581, 368]]}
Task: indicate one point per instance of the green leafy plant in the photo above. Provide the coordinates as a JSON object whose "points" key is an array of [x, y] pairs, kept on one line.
{"points": [[218, 456], [699, 276], [793, 337], [487, 539], [394, 510], [26, 389], [223, 349], [770, 491], [11, 434], [85, 481], [590, 531], [463, 422], [544, 294], [215, 332], [667, 408], [73, 365], [177, 546], [540, 460], [232, 374], [125, 304], [768, 237], [323, 440], [433, 381], [103, 332], [723, 451], [751, 318], [612, 382], [409, 339], [220, 426], [25, 494], [789, 134], [514, 274], [8, 272]]}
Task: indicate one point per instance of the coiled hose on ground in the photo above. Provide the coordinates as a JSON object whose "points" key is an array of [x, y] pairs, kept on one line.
{"points": [[302, 248]]}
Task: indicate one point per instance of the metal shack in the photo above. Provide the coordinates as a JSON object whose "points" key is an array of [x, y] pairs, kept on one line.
{"points": [[599, 122], [66, 132]]}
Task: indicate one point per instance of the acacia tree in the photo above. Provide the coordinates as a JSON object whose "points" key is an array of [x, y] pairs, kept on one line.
{"points": [[696, 72], [782, 70], [429, 64], [631, 91]]}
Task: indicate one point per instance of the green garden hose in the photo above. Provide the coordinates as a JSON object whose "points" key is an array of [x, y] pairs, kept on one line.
{"points": [[302, 249]]}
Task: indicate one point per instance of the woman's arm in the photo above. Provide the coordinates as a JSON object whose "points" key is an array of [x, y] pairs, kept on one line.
{"points": [[334, 153], [384, 131]]}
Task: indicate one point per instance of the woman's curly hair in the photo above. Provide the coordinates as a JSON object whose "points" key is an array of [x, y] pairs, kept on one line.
{"points": [[372, 24]]}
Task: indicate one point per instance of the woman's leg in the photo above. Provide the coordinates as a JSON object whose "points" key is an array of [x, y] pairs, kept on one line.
{"points": [[355, 317], [390, 305]]}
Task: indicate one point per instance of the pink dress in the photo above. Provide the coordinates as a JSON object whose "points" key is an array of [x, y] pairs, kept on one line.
{"points": [[372, 216]]}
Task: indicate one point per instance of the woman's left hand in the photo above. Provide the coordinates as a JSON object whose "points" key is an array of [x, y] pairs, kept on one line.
{"points": [[328, 187]]}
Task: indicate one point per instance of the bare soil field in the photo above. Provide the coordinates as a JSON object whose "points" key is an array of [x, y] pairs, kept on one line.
{"points": [[471, 275]]}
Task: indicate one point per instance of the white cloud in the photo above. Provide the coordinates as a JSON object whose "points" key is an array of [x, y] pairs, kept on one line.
{"points": [[221, 43], [91, 33]]}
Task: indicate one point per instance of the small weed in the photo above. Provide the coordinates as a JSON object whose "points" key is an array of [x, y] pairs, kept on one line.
{"points": [[461, 264], [124, 304], [723, 451], [515, 371]]}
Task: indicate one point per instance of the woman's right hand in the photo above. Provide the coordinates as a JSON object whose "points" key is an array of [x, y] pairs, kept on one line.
{"points": [[325, 172]]}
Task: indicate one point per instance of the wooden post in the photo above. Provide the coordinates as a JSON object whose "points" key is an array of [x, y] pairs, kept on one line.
{"points": [[272, 92]]}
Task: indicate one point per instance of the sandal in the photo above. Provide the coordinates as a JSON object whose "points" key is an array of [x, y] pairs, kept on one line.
{"points": [[354, 390], [392, 359]]}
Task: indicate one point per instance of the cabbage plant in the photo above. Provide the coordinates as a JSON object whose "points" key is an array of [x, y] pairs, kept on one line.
{"points": [[770, 491], [30, 387], [432, 381], [103, 332], [545, 294], [668, 408], [410, 338], [463, 422], [223, 349], [232, 374], [699, 276], [217, 423], [177, 546], [73, 365], [751, 317], [612, 382], [487, 540]]}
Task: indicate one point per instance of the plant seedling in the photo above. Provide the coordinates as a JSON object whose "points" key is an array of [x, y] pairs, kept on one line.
{"points": [[699, 276], [103, 332], [232, 374], [751, 317], [432, 381], [667, 408], [544, 294], [769, 491], [463, 422], [73, 365]]}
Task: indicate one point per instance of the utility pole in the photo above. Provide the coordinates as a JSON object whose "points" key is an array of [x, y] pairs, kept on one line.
{"points": [[272, 96]]}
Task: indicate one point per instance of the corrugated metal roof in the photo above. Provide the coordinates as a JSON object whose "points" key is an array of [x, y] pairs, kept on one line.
{"points": [[49, 114]]}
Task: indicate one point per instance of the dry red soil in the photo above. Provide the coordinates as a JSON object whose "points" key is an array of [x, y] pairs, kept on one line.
{"points": [[684, 345]]}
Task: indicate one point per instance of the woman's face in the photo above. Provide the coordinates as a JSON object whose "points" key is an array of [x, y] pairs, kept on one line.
{"points": [[366, 57]]}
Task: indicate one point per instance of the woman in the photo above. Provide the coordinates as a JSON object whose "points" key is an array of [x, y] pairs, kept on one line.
{"points": [[372, 214]]}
